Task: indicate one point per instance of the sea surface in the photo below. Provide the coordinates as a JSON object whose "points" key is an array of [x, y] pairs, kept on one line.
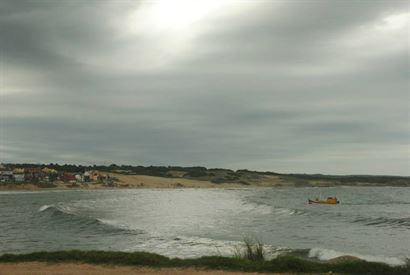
{"points": [[372, 223]]}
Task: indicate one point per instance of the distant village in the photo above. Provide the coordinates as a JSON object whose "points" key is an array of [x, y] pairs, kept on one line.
{"points": [[15, 175], [49, 176]]}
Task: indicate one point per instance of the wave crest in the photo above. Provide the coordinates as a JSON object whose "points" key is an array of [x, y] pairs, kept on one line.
{"points": [[45, 207], [328, 254], [65, 216]]}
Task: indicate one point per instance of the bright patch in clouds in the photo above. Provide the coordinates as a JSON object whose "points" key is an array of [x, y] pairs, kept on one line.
{"points": [[397, 21], [172, 25], [178, 15]]}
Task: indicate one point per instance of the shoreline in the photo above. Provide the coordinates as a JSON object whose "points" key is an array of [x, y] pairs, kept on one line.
{"points": [[34, 188], [55, 177], [122, 181], [44, 189]]}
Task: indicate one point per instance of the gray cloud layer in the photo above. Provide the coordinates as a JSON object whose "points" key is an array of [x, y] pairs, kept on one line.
{"points": [[287, 86]]}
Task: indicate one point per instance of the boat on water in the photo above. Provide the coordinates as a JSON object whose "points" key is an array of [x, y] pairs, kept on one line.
{"points": [[329, 200]]}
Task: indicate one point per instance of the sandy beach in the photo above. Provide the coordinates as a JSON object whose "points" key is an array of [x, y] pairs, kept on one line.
{"points": [[143, 181]]}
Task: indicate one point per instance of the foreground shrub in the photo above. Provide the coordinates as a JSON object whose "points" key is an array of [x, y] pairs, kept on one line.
{"points": [[252, 250]]}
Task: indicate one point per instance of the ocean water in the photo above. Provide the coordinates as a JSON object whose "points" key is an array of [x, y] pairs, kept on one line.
{"points": [[372, 223]]}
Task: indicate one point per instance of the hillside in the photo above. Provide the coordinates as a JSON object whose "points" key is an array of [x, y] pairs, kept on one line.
{"points": [[176, 176]]}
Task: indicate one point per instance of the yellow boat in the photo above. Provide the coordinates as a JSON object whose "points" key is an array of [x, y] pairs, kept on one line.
{"points": [[329, 200]]}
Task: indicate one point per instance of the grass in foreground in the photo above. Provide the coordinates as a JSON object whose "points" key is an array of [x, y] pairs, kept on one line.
{"points": [[251, 250], [280, 264]]}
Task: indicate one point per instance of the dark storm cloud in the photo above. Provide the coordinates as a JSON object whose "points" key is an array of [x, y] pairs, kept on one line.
{"points": [[295, 86]]}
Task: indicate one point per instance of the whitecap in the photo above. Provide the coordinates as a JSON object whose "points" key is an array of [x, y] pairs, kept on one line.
{"points": [[45, 207], [328, 254]]}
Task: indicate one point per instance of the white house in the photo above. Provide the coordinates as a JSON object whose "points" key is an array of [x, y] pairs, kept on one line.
{"points": [[18, 177], [78, 177]]}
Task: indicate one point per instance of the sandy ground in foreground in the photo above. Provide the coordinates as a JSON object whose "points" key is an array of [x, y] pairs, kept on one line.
{"points": [[38, 268]]}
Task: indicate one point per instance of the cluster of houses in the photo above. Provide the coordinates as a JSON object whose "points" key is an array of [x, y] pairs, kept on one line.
{"points": [[47, 175]]}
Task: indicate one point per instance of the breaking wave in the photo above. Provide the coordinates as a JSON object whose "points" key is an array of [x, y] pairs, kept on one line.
{"points": [[288, 211], [264, 209], [328, 254], [63, 215], [45, 207]]}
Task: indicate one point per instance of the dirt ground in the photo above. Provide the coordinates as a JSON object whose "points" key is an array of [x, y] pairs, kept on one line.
{"points": [[37, 268], [134, 181]]}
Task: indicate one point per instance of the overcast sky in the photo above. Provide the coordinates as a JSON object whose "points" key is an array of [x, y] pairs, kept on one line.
{"points": [[285, 86]]}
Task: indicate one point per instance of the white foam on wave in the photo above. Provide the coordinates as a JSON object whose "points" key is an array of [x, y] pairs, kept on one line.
{"points": [[45, 207], [58, 207], [114, 223], [264, 209], [285, 211], [328, 254]]}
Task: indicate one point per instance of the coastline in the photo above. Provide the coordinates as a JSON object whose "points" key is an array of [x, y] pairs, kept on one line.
{"points": [[123, 181], [34, 188], [137, 182], [68, 177]]}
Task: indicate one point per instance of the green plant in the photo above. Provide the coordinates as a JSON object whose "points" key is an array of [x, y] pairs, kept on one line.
{"points": [[252, 250]]}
